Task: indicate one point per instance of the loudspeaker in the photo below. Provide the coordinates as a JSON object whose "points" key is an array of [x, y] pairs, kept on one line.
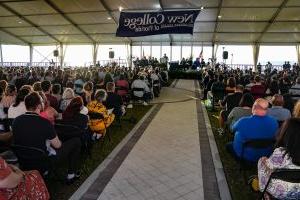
{"points": [[55, 53], [225, 55], [111, 54]]}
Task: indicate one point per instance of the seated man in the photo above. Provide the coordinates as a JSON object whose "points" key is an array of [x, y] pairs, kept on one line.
{"points": [[257, 126], [31, 130], [229, 102], [47, 89], [277, 111], [113, 100], [217, 89], [141, 84], [295, 90], [258, 89]]}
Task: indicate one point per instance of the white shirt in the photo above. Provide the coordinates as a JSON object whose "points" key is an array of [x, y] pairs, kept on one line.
{"points": [[140, 84], [14, 112]]}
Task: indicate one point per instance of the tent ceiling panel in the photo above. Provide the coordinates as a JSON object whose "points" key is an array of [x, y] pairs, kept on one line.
{"points": [[171, 4], [133, 4], [153, 38], [247, 14], [202, 37], [31, 7], [293, 3], [88, 18], [103, 28], [204, 27], [79, 5], [207, 15], [12, 22], [25, 31], [66, 29], [39, 39], [72, 38], [252, 3], [107, 38], [241, 26], [4, 12], [289, 14], [9, 39], [44, 20], [288, 38], [285, 27], [236, 37]]}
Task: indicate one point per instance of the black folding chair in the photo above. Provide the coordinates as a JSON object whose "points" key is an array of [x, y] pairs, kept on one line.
{"points": [[31, 158], [66, 131], [254, 144], [137, 90], [287, 175]]}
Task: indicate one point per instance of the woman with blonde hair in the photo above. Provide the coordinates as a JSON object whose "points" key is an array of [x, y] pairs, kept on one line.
{"points": [[67, 97], [100, 117], [296, 112]]}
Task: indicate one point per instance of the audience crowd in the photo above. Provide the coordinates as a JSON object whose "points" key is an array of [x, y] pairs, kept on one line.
{"points": [[51, 114], [262, 108]]}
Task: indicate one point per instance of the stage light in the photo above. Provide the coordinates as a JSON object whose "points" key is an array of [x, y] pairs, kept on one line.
{"points": [[220, 16], [120, 8], [109, 18], [202, 7]]}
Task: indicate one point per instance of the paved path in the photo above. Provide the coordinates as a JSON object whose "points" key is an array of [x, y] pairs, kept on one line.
{"points": [[170, 158]]}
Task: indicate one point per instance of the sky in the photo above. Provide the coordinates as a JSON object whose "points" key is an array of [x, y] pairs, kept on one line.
{"points": [[81, 55]]}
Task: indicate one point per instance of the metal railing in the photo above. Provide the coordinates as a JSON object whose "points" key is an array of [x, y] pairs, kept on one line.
{"points": [[250, 66], [27, 64]]}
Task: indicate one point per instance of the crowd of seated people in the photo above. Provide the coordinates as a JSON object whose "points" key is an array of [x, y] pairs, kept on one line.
{"points": [[38, 106], [262, 108]]}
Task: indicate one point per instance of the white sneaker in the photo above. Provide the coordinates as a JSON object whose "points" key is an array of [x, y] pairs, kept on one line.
{"points": [[145, 103]]}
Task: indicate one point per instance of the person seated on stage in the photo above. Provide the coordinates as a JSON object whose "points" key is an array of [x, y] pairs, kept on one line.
{"points": [[277, 111], [141, 84], [285, 156], [47, 89], [295, 90], [13, 183], [202, 63], [114, 101], [258, 126], [100, 117], [40, 133], [18, 108], [243, 110], [228, 103], [196, 64]]}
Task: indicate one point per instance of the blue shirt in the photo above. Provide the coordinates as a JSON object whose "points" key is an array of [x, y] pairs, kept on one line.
{"points": [[253, 127]]}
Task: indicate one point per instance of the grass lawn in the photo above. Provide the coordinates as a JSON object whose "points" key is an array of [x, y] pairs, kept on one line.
{"points": [[60, 191], [238, 188]]}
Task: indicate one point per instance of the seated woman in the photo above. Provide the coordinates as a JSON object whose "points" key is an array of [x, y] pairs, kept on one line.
{"points": [[87, 94], [16, 184], [9, 97], [231, 84], [100, 118], [73, 116], [18, 108], [296, 112], [67, 97], [285, 156], [243, 110], [122, 88], [48, 112]]}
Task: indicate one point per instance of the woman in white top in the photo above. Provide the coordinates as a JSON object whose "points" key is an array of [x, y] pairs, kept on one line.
{"points": [[67, 97], [18, 108]]}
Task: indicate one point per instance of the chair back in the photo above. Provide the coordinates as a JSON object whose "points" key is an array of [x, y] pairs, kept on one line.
{"points": [[138, 89], [94, 115], [66, 131], [31, 158], [258, 91]]}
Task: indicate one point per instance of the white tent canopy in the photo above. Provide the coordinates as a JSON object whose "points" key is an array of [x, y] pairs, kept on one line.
{"points": [[40, 22]]}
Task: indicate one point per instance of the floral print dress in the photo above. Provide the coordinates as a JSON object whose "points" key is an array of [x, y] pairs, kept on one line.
{"points": [[277, 188]]}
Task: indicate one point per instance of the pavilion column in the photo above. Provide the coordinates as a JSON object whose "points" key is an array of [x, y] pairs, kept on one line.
{"points": [[298, 53], [192, 47], [171, 49], [1, 55], [30, 55], [129, 54], [180, 52], [214, 53], [255, 48], [95, 53], [62, 52]]}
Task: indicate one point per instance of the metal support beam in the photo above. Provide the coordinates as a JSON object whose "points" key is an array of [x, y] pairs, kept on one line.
{"points": [[30, 55], [95, 53], [271, 21], [62, 52], [57, 9], [1, 55], [217, 21], [28, 21]]}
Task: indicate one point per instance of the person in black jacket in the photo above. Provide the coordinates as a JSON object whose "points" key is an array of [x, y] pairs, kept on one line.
{"points": [[114, 101]]}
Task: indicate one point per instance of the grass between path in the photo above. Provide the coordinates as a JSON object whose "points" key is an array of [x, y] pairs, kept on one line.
{"points": [[60, 191], [238, 188]]}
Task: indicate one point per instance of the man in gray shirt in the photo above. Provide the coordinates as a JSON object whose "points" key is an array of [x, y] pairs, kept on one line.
{"points": [[277, 111]]}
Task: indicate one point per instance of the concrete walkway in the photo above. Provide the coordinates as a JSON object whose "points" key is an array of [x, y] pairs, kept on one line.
{"points": [[171, 159]]}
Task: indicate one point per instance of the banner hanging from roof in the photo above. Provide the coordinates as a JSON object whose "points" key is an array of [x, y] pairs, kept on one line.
{"points": [[135, 24]]}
